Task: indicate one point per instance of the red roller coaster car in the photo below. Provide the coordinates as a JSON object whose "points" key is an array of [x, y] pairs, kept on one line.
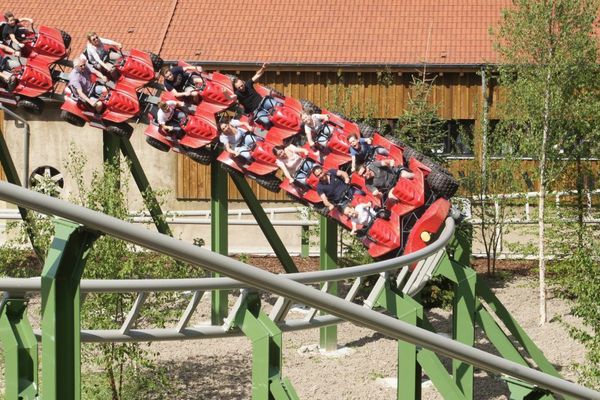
{"points": [[200, 133], [49, 44], [215, 93], [136, 68], [33, 80], [120, 104]]}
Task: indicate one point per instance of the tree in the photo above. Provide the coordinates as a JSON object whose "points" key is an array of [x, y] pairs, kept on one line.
{"points": [[548, 64], [419, 125]]}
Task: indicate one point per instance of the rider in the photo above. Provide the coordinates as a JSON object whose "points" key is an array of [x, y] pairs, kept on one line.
{"points": [[290, 161], [363, 214], [182, 81], [6, 64], [12, 30], [381, 177], [80, 79], [237, 138], [360, 149], [334, 187], [169, 117], [249, 98], [98, 54], [312, 124]]}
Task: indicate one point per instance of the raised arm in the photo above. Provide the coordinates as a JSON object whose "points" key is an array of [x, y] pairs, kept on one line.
{"points": [[259, 73]]}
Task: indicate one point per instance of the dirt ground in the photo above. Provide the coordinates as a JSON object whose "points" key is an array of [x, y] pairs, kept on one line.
{"points": [[221, 368]]}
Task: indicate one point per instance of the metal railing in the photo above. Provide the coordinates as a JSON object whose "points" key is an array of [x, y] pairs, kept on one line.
{"points": [[296, 291]]}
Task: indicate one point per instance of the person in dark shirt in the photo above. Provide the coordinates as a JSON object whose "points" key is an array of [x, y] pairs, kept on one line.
{"points": [[381, 177], [183, 81], [362, 148], [12, 31], [249, 98], [334, 187]]}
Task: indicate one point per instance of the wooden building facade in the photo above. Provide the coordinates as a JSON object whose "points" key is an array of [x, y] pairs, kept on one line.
{"points": [[382, 95]]}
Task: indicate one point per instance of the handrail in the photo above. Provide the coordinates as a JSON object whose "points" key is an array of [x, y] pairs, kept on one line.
{"points": [[155, 285], [282, 286]]}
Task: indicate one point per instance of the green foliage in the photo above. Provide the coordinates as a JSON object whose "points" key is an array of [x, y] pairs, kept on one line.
{"points": [[438, 292], [577, 278], [127, 370], [550, 72], [419, 125]]}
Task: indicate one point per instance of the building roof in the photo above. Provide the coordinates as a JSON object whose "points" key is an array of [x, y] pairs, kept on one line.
{"points": [[333, 32]]}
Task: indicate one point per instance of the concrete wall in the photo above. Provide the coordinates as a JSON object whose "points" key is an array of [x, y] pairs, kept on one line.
{"points": [[49, 145]]}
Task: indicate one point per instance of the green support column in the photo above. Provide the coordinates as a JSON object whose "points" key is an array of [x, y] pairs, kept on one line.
{"points": [[264, 223], [408, 371], [305, 241], [20, 350], [218, 234], [328, 252], [13, 177], [267, 382], [144, 187], [110, 148], [61, 346], [456, 266]]}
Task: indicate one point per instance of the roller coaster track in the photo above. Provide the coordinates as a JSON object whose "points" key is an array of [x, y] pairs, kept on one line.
{"points": [[289, 287], [394, 288]]}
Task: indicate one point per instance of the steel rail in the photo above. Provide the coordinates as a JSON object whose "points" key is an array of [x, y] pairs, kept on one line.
{"points": [[282, 286], [162, 285]]}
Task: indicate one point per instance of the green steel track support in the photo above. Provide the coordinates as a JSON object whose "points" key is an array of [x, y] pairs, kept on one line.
{"points": [[264, 223], [110, 148], [144, 187], [218, 234], [20, 350], [409, 370], [328, 259], [305, 241], [505, 346], [61, 345], [13, 177], [412, 359], [455, 266], [267, 382]]}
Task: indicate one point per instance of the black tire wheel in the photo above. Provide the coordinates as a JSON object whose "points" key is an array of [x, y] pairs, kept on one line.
{"points": [[202, 155], [72, 118], [31, 105], [274, 91], [366, 130], [342, 116], [434, 166], [66, 39], [121, 130], [157, 62], [269, 182], [157, 144], [442, 184], [309, 107]]}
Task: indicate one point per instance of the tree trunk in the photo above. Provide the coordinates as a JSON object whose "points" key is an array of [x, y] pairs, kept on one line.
{"points": [[541, 206]]}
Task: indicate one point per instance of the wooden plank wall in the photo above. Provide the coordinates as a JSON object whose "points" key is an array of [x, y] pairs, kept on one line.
{"points": [[382, 95]]}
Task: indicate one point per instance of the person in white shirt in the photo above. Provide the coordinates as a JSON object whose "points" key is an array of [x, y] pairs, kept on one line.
{"points": [[312, 124], [363, 214], [237, 138], [98, 54], [169, 117]]}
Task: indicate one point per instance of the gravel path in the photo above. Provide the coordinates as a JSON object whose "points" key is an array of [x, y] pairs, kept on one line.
{"points": [[221, 369]]}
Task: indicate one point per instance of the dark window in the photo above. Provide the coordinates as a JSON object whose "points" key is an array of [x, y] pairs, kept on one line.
{"points": [[459, 139]]}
